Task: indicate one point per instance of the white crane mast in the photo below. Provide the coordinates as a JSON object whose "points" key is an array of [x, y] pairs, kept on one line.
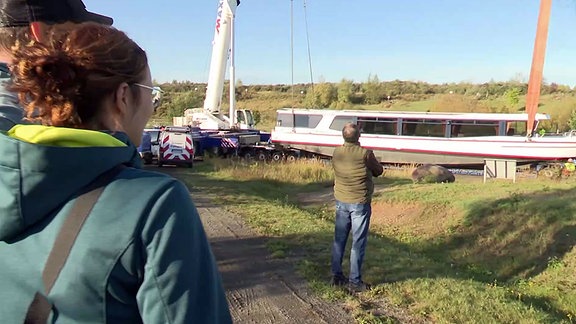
{"points": [[220, 53], [210, 117]]}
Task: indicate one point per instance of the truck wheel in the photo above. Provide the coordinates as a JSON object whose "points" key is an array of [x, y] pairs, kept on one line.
{"points": [[549, 174], [291, 158], [262, 156], [277, 157]]}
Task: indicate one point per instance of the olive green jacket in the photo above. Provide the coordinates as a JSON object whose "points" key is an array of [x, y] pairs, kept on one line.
{"points": [[354, 167]]}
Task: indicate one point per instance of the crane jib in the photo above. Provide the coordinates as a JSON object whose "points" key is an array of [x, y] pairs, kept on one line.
{"points": [[219, 15]]}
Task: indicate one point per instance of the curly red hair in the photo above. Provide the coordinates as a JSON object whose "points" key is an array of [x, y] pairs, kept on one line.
{"points": [[64, 80]]}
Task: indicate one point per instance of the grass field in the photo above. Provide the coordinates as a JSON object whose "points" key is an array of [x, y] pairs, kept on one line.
{"points": [[465, 252]]}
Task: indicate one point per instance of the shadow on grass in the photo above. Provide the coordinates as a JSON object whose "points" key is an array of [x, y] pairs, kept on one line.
{"points": [[505, 239], [514, 237]]}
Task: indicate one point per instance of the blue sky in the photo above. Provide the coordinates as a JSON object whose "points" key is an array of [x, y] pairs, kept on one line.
{"points": [[419, 40]]}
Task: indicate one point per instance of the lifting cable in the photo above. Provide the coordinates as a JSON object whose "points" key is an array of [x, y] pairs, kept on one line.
{"points": [[292, 54], [292, 48], [308, 45], [292, 60]]}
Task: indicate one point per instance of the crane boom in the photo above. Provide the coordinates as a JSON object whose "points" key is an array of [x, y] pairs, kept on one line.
{"points": [[220, 53], [210, 117]]}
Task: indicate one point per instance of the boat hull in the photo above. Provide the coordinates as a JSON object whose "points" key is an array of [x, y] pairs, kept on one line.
{"points": [[441, 151]]}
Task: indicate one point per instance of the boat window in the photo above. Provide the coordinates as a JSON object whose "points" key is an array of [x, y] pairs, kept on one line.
{"points": [[339, 122], [470, 128], [302, 121], [424, 127], [285, 120], [374, 125], [308, 121], [516, 128]]}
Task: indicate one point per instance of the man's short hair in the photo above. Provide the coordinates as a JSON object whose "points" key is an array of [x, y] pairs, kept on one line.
{"points": [[351, 133], [19, 13]]}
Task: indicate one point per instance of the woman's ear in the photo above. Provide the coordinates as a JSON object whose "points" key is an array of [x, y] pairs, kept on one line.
{"points": [[122, 99]]}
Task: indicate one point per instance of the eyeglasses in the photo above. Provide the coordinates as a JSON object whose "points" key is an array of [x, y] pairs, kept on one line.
{"points": [[155, 90], [156, 94]]}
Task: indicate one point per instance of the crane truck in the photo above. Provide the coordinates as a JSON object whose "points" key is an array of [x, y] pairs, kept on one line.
{"points": [[214, 131]]}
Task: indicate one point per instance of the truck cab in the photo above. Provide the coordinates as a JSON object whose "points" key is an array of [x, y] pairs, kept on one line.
{"points": [[245, 119]]}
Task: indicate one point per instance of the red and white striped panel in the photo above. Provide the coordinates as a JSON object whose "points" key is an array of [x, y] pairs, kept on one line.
{"points": [[168, 154]]}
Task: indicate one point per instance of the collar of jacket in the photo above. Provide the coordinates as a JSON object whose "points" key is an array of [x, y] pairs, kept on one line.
{"points": [[61, 136]]}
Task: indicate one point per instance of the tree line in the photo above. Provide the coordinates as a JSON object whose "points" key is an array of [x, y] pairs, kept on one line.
{"points": [[372, 91], [463, 96]]}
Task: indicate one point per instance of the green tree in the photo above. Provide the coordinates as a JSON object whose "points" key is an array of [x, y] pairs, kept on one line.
{"points": [[182, 101], [345, 91], [372, 90], [257, 117], [572, 120], [322, 96], [513, 97]]}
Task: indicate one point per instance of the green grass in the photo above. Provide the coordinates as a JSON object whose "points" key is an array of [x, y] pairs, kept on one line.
{"points": [[465, 252]]}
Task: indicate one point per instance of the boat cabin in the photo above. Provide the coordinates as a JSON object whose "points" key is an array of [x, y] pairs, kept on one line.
{"points": [[426, 124]]}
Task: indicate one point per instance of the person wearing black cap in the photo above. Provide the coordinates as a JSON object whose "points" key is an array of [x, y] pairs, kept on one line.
{"points": [[87, 235], [21, 20]]}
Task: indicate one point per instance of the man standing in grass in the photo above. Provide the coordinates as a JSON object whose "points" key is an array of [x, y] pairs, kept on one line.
{"points": [[354, 167]]}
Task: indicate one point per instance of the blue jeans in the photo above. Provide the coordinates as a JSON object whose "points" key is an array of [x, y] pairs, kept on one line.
{"points": [[355, 217]]}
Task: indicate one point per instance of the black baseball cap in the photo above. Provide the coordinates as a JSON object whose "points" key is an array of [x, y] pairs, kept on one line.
{"points": [[14, 13]]}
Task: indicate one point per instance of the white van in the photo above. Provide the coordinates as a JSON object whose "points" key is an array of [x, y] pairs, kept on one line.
{"points": [[176, 147]]}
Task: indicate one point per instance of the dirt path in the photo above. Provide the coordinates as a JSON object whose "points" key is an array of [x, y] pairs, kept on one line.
{"points": [[260, 289]]}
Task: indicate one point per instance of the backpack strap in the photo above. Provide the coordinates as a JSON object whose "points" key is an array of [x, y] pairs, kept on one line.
{"points": [[40, 308]]}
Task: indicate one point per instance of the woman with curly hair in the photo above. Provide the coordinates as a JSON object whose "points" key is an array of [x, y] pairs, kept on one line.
{"points": [[85, 234]]}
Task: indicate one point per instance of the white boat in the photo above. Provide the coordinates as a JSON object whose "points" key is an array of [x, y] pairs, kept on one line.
{"points": [[436, 137], [431, 137]]}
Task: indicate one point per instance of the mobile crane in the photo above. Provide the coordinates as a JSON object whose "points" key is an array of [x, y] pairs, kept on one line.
{"points": [[216, 132], [210, 117]]}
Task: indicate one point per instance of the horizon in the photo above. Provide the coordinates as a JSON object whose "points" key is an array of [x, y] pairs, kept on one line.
{"points": [[364, 81], [418, 41]]}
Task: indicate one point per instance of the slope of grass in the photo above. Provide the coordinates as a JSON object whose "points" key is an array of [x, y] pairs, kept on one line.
{"points": [[465, 252]]}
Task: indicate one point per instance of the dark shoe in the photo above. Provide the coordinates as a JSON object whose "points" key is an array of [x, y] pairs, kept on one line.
{"points": [[359, 287], [338, 280]]}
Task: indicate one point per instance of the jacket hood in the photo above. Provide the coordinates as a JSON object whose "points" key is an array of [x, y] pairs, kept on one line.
{"points": [[10, 111], [42, 167]]}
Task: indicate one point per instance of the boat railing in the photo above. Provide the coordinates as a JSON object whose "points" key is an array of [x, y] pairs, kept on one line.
{"points": [[571, 133]]}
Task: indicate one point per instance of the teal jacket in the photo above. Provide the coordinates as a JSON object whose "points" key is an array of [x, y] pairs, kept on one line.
{"points": [[142, 254]]}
